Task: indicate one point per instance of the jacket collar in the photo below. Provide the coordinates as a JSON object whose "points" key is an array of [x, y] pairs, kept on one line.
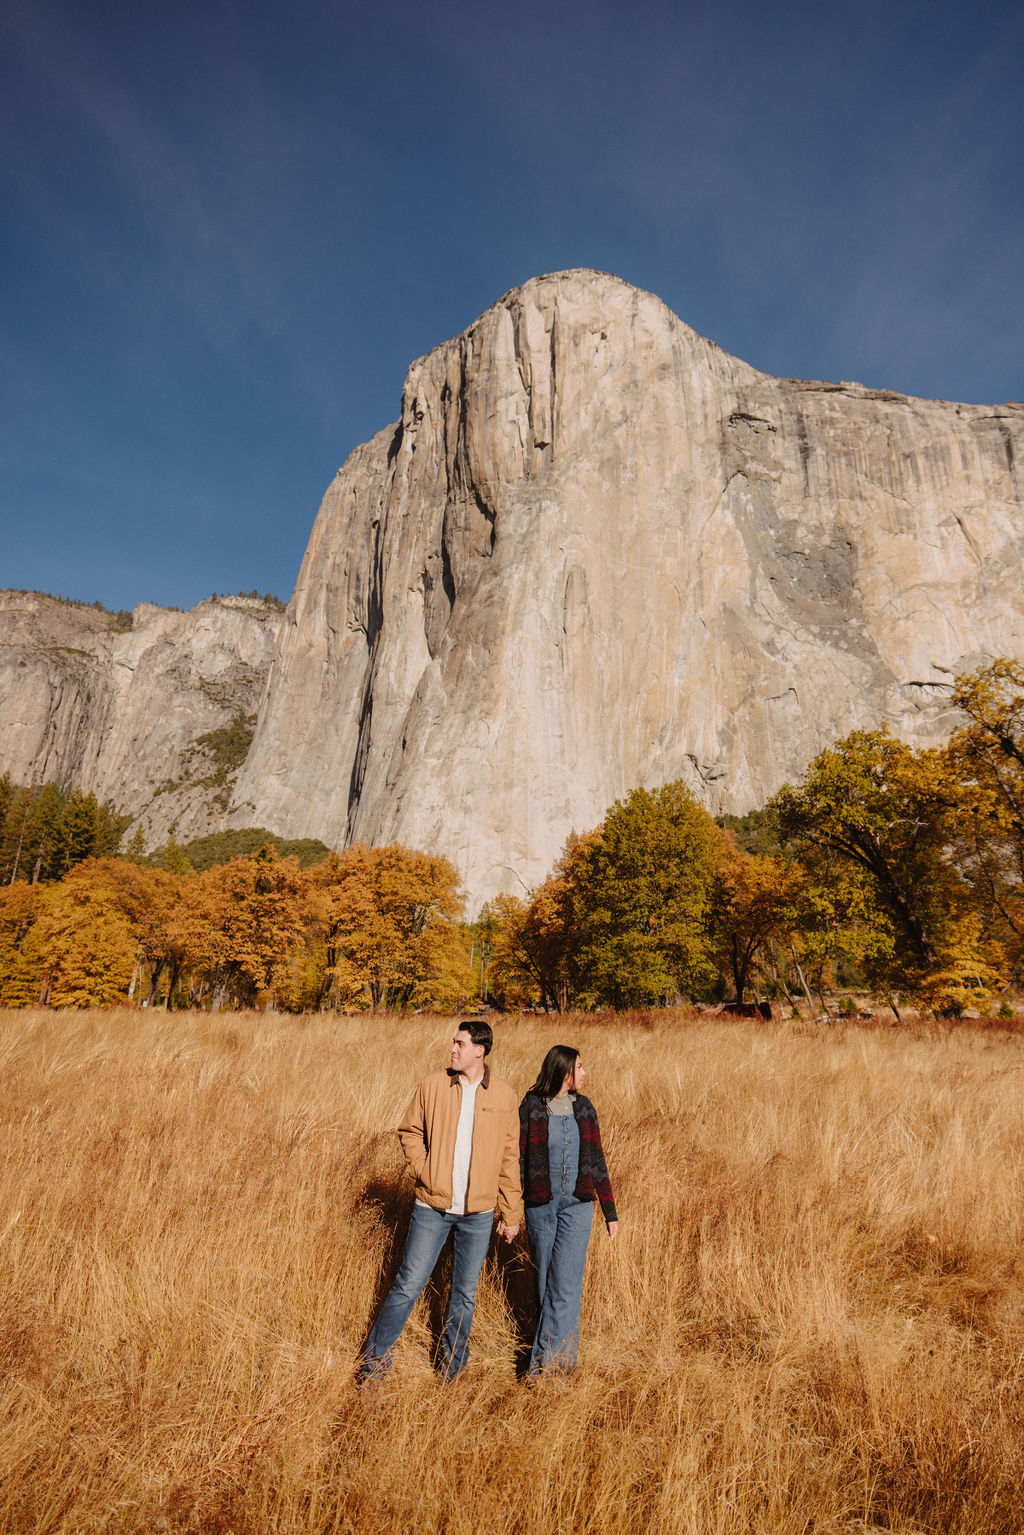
{"points": [[485, 1081]]}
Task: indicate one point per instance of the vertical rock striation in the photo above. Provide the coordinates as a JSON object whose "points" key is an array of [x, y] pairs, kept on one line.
{"points": [[126, 716], [597, 552]]}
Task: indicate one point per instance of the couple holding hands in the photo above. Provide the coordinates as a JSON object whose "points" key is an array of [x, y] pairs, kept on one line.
{"points": [[471, 1153]]}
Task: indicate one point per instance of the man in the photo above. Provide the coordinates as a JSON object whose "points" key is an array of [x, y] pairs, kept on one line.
{"points": [[460, 1136]]}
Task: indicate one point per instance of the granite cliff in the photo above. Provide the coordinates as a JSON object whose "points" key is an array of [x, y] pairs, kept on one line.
{"points": [[596, 551], [155, 719]]}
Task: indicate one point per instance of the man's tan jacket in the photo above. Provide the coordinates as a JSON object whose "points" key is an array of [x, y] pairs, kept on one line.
{"points": [[427, 1133]]}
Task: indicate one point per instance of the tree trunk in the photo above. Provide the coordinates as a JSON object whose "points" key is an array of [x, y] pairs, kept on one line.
{"points": [[803, 982], [154, 984]]}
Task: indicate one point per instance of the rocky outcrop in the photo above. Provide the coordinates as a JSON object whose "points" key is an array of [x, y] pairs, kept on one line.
{"points": [[595, 552], [155, 720]]}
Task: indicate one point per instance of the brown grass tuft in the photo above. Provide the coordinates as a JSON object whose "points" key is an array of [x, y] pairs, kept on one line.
{"points": [[813, 1318]]}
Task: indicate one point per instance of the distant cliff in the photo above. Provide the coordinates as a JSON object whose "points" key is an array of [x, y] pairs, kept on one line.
{"points": [[596, 551], [157, 720]]}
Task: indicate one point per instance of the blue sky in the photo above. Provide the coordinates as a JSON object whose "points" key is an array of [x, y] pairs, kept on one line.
{"points": [[229, 227]]}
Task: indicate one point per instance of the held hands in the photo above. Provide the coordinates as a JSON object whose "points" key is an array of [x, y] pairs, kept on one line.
{"points": [[507, 1232]]}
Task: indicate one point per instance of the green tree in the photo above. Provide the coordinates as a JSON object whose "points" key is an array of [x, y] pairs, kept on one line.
{"points": [[642, 899], [878, 805], [77, 833], [173, 858], [7, 792], [13, 856], [135, 852], [839, 931], [110, 827], [986, 759], [43, 834]]}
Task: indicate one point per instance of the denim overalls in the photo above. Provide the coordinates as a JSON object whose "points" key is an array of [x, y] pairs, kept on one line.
{"points": [[559, 1234]]}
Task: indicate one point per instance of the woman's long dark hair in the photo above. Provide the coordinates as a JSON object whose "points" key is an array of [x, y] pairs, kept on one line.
{"points": [[559, 1063]]}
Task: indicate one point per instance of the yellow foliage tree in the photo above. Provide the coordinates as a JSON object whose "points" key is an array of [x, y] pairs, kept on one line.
{"points": [[965, 975], [533, 940], [82, 941], [754, 905], [248, 918], [168, 938], [986, 760], [20, 975], [388, 922]]}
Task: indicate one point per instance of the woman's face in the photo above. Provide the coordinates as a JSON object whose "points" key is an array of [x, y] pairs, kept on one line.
{"points": [[576, 1077]]}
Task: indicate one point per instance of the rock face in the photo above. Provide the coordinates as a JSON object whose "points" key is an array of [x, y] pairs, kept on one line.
{"points": [[595, 552], [598, 552], [129, 716]]}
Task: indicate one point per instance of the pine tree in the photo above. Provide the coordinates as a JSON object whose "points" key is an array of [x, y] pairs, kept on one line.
{"points": [[77, 830], [12, 837], [43, 835]]}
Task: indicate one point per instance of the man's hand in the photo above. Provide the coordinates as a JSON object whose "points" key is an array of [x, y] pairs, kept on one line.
{"points": [[507, 1232]]}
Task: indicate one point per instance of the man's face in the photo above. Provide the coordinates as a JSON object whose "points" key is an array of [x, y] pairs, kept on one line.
{"points": [[464, 1053]]}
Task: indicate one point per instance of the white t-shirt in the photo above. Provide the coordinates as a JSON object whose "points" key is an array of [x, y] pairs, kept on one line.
{"points": [[463, 1150]]}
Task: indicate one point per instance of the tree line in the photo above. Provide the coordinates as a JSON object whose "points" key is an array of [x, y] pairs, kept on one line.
{"points": [[369, 927], [45, 831], [889, 867]]}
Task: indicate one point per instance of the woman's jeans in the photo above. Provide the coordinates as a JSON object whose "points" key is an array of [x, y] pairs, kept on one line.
{"points": [[559, 1234], [428, 1232]]}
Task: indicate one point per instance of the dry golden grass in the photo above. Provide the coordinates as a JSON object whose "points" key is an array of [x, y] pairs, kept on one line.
{"points": [[812, 1319]]}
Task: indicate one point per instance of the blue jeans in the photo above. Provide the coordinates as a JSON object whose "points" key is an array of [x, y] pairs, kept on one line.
{"points": [[559, 1235], [428, 1232]]}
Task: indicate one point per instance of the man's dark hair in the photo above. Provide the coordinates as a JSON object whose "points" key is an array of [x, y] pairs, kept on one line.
{"points": [[478, 1031]]}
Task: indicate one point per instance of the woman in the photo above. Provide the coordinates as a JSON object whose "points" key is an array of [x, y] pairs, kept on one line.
{"points": [[562, 1166]]}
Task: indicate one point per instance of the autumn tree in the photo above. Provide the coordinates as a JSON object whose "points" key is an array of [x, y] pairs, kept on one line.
{"points": [[642, 899], [251, 916], [986, 759], [882, 808], [535, 939], [83, 942], [20, 975], [753, 911], [840, 931], [167, 937], [388, 918]]}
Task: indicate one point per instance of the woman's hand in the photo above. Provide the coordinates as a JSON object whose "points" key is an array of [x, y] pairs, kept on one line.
{"points": [[613, 1229]]}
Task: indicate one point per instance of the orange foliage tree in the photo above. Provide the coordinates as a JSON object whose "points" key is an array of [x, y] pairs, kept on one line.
{"points": [[387, 926], [82, 941], [19, 961]]}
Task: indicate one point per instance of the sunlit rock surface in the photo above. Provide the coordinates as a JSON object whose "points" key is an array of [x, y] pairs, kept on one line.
{"points": [[597, 552], [123, 715]]}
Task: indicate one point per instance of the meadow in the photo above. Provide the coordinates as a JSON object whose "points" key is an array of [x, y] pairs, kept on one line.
{"points": [[812, 1320]]}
